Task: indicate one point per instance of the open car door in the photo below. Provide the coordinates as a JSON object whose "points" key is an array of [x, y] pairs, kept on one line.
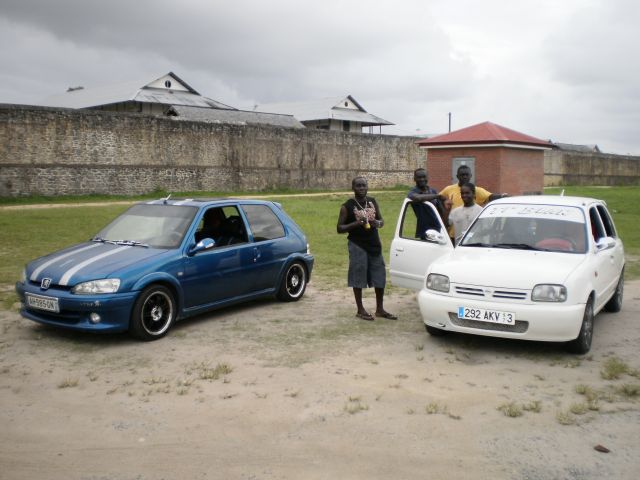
{"points": [[412, 250]]}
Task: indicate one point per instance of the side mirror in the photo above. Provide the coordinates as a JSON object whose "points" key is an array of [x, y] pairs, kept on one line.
{"points": [[605, 243], [204, 244], [434, 236]]}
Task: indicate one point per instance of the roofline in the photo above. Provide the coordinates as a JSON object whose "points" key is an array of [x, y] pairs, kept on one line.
{"points": [[189, 87], [356, 103], [522, 146]]}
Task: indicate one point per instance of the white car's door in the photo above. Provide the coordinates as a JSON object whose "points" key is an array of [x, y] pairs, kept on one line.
{"points": [[411, 253]]}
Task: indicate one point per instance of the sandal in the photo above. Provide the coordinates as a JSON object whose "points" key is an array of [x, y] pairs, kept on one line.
{"points": [[365, 316], [387, 315]]}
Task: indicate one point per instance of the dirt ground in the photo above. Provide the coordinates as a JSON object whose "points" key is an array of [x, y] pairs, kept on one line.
{"points": [[307, 391]]}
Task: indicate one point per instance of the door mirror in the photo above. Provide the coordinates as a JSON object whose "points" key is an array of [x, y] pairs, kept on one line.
{"points": [[204, 244], [605, 243], [435, 236]]}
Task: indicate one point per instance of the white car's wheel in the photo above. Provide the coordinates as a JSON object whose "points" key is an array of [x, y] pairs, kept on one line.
{"points": [[582, 344], [615, 303]]}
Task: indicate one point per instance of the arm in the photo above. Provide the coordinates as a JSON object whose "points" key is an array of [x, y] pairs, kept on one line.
{"points": [[379, 221], [344, 227], [424, 197]]}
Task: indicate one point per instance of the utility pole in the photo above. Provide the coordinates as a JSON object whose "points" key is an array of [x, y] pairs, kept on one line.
{"points": [[449, 122]]}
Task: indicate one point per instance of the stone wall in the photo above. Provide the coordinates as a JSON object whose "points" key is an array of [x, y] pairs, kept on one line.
{"points": [[48, 151], [563, 167]]}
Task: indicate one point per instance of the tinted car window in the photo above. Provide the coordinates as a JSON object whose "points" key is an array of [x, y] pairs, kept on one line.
{"points": [[264, 224], [606, 221]]}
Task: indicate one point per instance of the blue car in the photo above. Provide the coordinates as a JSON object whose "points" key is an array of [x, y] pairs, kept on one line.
{"points": [[165, 260]]}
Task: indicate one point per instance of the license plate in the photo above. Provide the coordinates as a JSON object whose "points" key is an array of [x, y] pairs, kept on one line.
{"points": [[483, 315], [49, 304]]}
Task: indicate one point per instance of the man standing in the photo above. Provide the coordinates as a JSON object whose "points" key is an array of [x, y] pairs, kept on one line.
{"points": [[360, 217], [419, 194], [461, 217], [452, 192]]}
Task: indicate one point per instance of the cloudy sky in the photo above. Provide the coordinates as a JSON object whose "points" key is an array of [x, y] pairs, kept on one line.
{"points": [[565, 70]]}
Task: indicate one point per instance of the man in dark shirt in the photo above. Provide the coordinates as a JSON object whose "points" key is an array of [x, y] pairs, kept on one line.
{"points": [[422, 192], [360, 217]]}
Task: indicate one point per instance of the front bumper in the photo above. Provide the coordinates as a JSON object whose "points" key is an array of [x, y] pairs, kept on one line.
{"points": [[114, 309], [549, 322]]}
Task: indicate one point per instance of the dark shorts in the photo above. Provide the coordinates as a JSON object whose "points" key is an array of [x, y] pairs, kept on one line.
{"points": [[365, 270]]}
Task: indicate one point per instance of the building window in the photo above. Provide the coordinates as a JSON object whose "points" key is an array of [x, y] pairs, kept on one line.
{"points": [[346, 126], [167, 83]]}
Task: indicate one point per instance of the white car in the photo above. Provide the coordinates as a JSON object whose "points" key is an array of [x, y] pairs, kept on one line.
{"points": [[531, 267]]}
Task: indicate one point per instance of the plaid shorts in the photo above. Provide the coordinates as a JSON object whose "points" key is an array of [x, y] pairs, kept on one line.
{"points": [[365, 270]]}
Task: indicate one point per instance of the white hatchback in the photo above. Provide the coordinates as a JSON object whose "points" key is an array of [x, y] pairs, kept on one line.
{"points": [[531, 267]]}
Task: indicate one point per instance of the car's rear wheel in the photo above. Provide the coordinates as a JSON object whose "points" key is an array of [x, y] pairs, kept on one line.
{"points": [[615, 303], [294, 283], [436, 332], [582, 344], [153, 313]]}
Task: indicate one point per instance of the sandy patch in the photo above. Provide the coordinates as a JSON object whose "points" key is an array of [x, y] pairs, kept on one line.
{"points": [[306, 391]]}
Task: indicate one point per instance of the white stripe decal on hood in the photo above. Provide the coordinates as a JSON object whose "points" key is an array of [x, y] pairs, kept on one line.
{"points": [[36, 272], [69, 273]]}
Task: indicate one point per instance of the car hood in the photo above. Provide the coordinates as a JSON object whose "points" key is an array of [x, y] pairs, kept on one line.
{"points": [[87, 261], [522, 269]]}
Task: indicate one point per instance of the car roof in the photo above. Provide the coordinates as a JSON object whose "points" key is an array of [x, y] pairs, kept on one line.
{"points": [[549, 200], [204, 202]]}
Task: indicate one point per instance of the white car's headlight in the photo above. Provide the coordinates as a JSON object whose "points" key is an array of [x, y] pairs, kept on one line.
{"points": [[108, 285], [549, 293], [438, 282]]}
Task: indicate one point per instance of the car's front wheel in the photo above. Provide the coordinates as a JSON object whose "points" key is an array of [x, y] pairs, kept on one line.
{"points": [[153, 313], [294, 283], [582, 344], [615, 303]]}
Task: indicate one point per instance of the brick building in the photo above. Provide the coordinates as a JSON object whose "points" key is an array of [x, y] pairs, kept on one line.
{"points": [[501, 159]]}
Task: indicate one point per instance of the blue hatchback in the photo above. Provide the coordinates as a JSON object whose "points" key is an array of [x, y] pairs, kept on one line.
{"points": [[165, 260]]}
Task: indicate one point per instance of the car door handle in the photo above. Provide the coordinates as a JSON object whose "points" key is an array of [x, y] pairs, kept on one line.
{"points": [[399, 249]]}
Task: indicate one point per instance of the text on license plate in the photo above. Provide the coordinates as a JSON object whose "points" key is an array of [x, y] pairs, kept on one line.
{"points": [[483, 315], [43, 303]]}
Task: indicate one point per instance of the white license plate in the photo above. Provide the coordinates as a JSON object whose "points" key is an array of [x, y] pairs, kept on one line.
{"points": [[483, 315], [49, 304]]}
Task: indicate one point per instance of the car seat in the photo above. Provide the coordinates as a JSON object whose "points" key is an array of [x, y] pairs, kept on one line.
{"points": [[232, 232]]}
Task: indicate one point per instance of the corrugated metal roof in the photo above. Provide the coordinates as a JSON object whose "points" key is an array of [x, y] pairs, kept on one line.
{"points": [[238, 117], [130, 91], [324, 109], [577, 148], [486, 132]]}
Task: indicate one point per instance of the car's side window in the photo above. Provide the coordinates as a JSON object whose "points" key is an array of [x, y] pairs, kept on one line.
{"points": [[222, 224], [416, 220], [606, 221], [264, 224], [597, 228]]}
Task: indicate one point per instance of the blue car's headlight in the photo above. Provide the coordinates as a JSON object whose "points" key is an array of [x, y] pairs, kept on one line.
{"points": [[108, 285], [23, 277], [438, 282], [549, 293]]}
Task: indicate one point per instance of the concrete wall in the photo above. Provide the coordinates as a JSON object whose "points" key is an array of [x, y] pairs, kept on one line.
{"points": [[579, 168], [49, 151]]}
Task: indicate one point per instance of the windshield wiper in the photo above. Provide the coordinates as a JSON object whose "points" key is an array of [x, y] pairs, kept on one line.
{"points": [[517, 246], [478, 244], [129, 243]]}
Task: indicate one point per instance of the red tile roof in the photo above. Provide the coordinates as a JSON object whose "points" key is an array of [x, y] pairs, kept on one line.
{"points": [[487, 132]]}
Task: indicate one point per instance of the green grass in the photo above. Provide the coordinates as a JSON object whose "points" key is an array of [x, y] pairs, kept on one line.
{"points": [[28, 233]]}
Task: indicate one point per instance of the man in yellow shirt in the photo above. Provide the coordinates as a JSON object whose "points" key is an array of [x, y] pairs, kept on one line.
{"points": [[452, 192]]}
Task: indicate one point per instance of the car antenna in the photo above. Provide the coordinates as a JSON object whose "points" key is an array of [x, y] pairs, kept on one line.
{"points": [[164, 200]]}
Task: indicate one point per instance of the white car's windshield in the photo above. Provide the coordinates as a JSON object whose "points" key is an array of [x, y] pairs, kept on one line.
{"points": [[158, 226], [529, 227]]}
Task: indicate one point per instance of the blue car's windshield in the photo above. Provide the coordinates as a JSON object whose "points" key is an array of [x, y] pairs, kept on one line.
{"points": [[157, 226]]}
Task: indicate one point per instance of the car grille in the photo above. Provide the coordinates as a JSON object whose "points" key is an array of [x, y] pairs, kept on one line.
{"points": [[521, 326], [493, 293], [63, 317]]}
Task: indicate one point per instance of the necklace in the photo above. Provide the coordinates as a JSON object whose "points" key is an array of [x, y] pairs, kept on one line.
{"points": [[358, 203]]}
